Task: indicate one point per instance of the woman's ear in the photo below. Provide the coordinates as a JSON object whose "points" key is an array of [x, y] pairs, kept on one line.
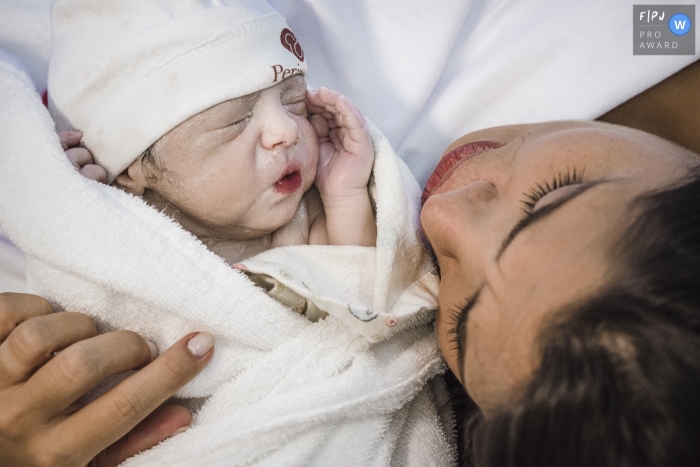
{"points": [[132, 180]]}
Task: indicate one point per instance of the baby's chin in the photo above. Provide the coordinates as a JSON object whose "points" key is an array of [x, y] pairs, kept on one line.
{"points": [[271, 217]]}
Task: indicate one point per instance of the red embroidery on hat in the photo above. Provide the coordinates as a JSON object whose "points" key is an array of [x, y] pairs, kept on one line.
{"points": [[289, 41], [45, 98]]}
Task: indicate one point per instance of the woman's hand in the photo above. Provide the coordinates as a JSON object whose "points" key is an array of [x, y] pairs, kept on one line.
{"points": [[49, 360]]}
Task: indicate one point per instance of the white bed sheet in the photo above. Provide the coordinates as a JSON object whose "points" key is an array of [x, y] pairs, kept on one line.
{"points": [[429, 71]]}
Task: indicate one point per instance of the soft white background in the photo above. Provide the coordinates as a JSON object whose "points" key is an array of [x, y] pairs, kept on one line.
{"points": [[429, 71]]}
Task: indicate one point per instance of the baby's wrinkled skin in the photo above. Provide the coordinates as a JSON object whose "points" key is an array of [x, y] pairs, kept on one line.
{"points": [[240, 175]]}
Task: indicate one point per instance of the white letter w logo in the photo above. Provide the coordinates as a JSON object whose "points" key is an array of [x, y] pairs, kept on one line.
{"points": [[680, 25]]}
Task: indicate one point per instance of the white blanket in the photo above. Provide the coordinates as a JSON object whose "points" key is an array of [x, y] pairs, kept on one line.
{"points": [[282, 390]]}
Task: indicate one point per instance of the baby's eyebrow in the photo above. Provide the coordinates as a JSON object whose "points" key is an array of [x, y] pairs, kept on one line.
{"points": [[239, 106], [247, 102]]}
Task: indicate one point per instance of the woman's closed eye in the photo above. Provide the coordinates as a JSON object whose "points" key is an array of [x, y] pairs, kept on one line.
{"points": [[546, 198], [457, 328], [542, 189]]}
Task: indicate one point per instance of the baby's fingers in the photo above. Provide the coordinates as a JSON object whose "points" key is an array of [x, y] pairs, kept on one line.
{"points": [[323, 102], [320, 126], [350, 116], [70, 138], [79, 157], [313, 103], [94, 172], [83, 162], [343, 112]]}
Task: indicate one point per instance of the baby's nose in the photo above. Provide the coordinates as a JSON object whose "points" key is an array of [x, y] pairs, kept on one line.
{"points": [[280, 130]]}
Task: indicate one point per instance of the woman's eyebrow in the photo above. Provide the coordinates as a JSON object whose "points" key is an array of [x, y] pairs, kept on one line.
{"points": [[544, 212], [461, 330]]}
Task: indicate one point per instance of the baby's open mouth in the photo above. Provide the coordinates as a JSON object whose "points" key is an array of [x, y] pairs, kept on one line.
{"points": [[289, 183]]}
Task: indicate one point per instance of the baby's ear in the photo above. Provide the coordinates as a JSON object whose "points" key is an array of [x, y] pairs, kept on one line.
{"points": [[132, 180]]}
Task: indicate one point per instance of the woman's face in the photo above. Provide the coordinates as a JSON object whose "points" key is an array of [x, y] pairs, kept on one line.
{"points": [[522, 224]]}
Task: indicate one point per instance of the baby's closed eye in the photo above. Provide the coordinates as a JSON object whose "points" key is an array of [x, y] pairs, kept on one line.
{"points": [[234, 126], [296, 106]]}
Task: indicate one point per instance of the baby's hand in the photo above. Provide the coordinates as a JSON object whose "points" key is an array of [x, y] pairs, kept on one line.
{"points": [[346, 153], [80, 157]]}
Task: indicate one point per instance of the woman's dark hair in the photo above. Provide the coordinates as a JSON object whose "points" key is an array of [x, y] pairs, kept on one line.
{"points": [[619, 380]]}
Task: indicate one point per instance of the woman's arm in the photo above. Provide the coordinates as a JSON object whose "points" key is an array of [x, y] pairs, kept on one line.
{"points": [[49, 360], [670, 109]]}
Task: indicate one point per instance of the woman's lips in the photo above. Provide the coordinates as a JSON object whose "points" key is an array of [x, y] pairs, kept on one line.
{"points": [[449, 162], [289, 182]]}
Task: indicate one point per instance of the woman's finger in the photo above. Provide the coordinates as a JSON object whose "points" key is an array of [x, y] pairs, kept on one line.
{"points": [[70, 138], [75, 370], [33, 342], [165, 421], [79, 157], [111, 416], [16, 308]]}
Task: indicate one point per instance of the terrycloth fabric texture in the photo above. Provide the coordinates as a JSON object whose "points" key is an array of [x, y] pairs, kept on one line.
{"points": [[282, 390], [126, 72], [12, 267]]}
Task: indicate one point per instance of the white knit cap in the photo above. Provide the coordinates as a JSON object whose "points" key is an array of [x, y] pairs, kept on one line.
{"points": [[126, 72]]}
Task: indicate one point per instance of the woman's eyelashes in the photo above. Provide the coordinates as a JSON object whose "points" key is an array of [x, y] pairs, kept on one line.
{"points": [[540, 190], [456, 323], [457, 329]]}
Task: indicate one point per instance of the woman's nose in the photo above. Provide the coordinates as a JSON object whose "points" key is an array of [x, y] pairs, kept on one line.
{"points": [[457, 222], [280, 129]]}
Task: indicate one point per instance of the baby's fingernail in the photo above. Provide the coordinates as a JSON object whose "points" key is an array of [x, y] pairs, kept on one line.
{"points": [[200, 344], [76, 132], [154, 349]]}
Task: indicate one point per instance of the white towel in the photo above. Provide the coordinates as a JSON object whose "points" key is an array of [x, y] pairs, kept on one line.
{"points": [[12, 267], [282, 390]]}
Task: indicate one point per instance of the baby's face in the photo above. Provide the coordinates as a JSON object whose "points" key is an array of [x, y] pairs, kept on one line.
{"points": [[240, 168]]}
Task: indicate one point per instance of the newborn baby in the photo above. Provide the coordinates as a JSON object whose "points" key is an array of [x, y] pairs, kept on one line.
{"points": [[200, 109], [225, 145], [239, 175]]}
